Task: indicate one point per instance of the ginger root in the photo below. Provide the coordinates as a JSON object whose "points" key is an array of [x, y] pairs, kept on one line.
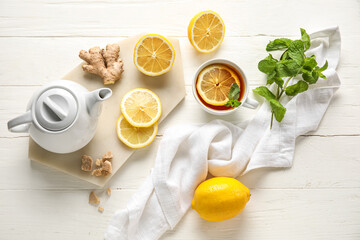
{"points": [[86, 163], [93, 198], [106, 168], [107, 156], [100, 209], [99, 162], [104, 63]]}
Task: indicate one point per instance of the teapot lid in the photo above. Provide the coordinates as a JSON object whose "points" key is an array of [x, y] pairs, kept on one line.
{"points": [[56, 109]]}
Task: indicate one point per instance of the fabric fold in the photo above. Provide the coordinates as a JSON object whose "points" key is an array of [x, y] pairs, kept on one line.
{"points": [[188, 152]]}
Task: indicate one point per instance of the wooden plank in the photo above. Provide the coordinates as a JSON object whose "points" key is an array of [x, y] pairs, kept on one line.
{"points": [[27, 174], [127, 18], [282, 214], [49, 59], [319, 162], [270, 214], [342, 116]]}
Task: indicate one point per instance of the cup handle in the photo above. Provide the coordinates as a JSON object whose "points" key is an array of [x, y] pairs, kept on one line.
{"points": [[20, 123], [250, 103]]}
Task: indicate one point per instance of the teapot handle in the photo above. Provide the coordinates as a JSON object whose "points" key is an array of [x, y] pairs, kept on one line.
{"points": [[20, 123]]}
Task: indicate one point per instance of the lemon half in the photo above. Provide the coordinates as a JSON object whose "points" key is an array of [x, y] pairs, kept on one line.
{"points": [[154, 55], [206, 31]]}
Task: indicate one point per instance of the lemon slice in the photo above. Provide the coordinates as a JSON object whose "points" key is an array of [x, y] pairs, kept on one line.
{"points": [[154, 55], [141, 107], [206, 31], [214, 83], [135, 137]]}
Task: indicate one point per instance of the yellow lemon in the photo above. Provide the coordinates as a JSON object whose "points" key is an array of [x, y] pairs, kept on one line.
{"points": [[135, 137], [141, 107], [154, 55], [214, 83], [220, 198], [206, 31]]}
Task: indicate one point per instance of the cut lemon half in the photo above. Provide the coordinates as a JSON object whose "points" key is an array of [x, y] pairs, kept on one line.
{"points": [[206, 31], [214, 83], [154, 55], [141, 107], [135, 137]]}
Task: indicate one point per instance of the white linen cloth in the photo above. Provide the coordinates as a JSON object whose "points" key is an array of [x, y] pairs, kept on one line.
{"points": [[187, 153]]}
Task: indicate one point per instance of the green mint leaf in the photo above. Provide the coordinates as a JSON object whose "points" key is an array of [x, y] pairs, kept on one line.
{"points": [[311, 76], [287, 68], [237, 103], [278, 109], [323, 68], [282, 71], [322, 75], [306, 69], [293, 90], [307, 76], [264, 92], [234, 92], [279, 81], [310, 62], [271, 75], [285, 55], [296, 51], [228, 104], [232, 103], [291, 66], [270, 78], [310, 70], [270, 81], [315, 76], [267, 65], [317, 72], [305, 38], [278, 44]]}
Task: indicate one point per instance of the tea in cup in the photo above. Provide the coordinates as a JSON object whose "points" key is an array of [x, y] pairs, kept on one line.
{"points": [[212, 83]]}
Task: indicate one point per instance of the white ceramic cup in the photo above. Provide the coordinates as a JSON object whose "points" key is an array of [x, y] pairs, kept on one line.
{"points": [[245, 101]]}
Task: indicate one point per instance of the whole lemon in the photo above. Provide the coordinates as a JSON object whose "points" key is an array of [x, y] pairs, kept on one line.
{"points": [[220, 198]]}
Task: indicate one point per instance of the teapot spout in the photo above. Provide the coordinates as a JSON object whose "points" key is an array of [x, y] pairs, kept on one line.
{"points": [[94, 98], [102, 93]]}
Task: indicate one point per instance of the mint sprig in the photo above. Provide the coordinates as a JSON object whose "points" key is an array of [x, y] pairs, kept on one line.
{"points": [[293, 62], [233, 96]]}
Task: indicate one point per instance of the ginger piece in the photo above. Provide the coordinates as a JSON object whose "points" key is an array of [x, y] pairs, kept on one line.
{"points": [[107, 156], [86, 163], [99, 162], [104, 63], [100, 209], [93, 198], [97, 172], [106, 168], [108, 191]]}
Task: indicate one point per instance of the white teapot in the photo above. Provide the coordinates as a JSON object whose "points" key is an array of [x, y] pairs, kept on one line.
{"points": [[61, 116]]}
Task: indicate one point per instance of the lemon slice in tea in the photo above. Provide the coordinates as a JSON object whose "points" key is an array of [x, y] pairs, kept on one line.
{"points": [[214, 83]]}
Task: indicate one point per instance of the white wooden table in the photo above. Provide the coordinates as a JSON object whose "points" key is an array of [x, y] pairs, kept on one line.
{"points": [[318, 198]]}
